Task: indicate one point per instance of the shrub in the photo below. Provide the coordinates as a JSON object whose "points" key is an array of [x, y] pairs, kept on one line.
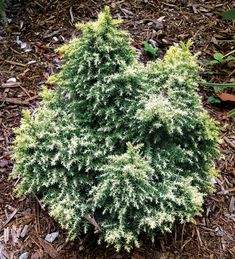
{"points": [[128, 146]]}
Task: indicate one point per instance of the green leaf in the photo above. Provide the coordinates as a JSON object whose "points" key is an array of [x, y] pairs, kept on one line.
{"points": [[150, 49], [228, 14], [213, 62], [218, 56], [231, 113], [213, 99], [230, 58]]}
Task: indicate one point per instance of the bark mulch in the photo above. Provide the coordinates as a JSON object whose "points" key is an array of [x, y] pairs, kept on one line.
{"points": [[27, 58]]}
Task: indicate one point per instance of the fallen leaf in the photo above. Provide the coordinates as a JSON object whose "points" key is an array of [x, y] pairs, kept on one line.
{"points": [[227, 97]]}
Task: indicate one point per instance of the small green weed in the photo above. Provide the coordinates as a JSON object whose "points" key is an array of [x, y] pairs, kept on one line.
{"points": [[228, 14], [220, 58], [150, 49]]}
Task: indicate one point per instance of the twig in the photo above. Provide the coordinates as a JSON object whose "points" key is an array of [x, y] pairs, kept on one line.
{"points": [[10, 217], [231, 52], [199, 237], [15, 63], [231, 73], [71, 14], [32, 98]]}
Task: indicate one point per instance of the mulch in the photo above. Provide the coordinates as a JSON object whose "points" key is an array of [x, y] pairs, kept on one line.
{"points": [[27, 58]]}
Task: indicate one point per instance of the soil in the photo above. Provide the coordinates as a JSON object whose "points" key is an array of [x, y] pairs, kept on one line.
{"points": [[27, 56]]}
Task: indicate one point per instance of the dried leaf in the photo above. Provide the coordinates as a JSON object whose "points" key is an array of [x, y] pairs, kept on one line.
{"points": [[226, 97]]}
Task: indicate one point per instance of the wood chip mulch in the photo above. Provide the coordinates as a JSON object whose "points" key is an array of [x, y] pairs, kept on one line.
{"points": [[27, 58]]}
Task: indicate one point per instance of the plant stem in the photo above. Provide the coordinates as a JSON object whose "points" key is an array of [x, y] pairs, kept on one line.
{"points": [[226, 85], [231, 52]]}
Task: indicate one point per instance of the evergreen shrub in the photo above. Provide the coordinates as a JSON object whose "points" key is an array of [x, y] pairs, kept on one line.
{"points": [[127, 146]]}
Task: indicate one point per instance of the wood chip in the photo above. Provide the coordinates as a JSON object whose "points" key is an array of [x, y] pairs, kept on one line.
{"points": [[14, 101], [12, 215], [6, 235], [14, 234], [231, 205], [229, 142], [3, 253], [199, 237], [48, 248], [24, 231], [10, 85]]}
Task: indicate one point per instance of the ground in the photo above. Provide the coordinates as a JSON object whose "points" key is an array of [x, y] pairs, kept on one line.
{"points": [[27, 54]]}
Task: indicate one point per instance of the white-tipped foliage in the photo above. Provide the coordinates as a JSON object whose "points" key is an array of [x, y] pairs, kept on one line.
{"points": [[128, 145]]}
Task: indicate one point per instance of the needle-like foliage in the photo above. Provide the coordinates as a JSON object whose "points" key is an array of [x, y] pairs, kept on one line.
{"points": [[126, 146]]}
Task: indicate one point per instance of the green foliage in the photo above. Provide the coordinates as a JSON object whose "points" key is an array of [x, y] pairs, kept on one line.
{"points": [[150, 49], [220, 58], [2, 6], [213, 99], [231, 113], [2, 11], [222, 86], [129, 145], [228, 14]]}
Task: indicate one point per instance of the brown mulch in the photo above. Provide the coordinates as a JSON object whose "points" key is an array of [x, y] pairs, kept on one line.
{"points": [[41, 26]]}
